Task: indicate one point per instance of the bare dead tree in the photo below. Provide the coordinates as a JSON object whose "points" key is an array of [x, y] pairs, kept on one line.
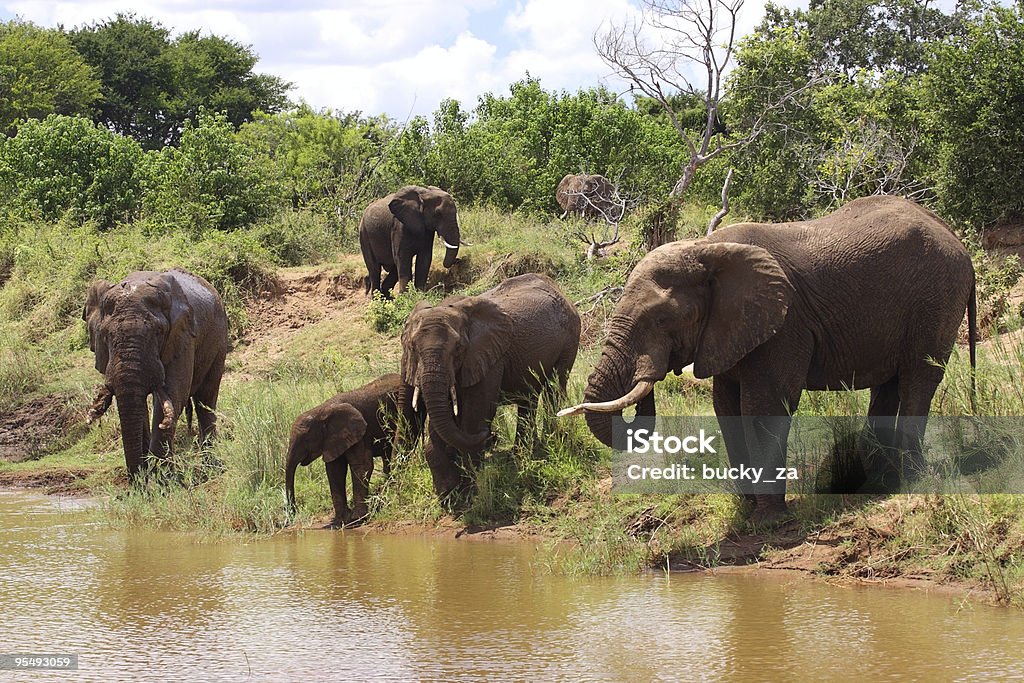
{"points": [[694, 49], [611, 209], [869, 159]]}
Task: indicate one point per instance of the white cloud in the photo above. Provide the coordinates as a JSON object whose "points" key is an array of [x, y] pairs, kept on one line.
{"points": [[390, 55]]}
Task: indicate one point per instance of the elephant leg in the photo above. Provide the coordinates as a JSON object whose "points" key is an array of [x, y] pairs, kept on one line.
{"points": [[526, 422], [879, 444], [161, 441], [423, 260], [373, 279], [403, 265], [766, 434], [360, 461], [479, 405], [337, 473], [916, 390], [726, 400], [205, 401], [443, 471], [389, 282]]}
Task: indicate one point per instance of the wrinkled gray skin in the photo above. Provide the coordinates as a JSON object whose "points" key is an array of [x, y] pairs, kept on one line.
{"points": [[504, 344], [590, 196], [348, 430], [163, 334], [867, 297], [400, 228]]}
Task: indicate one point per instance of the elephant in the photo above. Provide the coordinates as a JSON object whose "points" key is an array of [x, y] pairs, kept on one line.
{"points": [[163, 334], [400, 227], [348, 429], [870, 296], [591, 196], [467, 353]]}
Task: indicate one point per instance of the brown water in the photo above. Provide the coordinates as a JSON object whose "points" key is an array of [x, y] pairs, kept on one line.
{"points": [[145, 605]]}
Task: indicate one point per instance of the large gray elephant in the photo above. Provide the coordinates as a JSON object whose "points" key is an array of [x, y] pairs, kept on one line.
{"points": [[163, 334], [870, 296], [590, 196], [348, 430], [399, 228], [468, 352]]}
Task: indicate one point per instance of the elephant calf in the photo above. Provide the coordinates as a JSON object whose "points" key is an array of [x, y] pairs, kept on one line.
{"points": [[348, 429], [465, 353]]}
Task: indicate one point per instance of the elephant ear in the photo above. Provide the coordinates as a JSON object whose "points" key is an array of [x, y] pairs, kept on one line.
{"points": [[750, 296], [407, 207], [92, 316], [412, 324], [489, 337], [180, 317], [347, 429]]}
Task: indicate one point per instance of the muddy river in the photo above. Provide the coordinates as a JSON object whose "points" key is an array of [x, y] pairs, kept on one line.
{"points": [[149, 605]]}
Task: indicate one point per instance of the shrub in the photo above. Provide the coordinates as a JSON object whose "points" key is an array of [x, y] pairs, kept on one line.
{"points": [[68, 168], [209, 182]]}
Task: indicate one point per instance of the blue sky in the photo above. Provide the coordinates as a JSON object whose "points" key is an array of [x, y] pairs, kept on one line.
{"points": [[390, 56]]}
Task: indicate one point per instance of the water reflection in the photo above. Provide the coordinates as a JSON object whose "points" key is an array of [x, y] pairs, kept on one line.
{"points": [[340, 605]]}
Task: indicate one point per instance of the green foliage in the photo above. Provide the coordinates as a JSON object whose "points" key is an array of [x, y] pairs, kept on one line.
{"points": [[67, 168], [389, 315], [975, 89], [129, 56], [208, 182], [152, 84], [512, 151], [995, 277], [295, 238], [322, 161], [41, 74]]}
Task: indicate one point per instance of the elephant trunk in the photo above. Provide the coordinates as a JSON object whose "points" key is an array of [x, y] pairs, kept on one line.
{"points": [[436, 392], [451, 238], [133, 373], [613, 386], [291, 464], [133, 414]]}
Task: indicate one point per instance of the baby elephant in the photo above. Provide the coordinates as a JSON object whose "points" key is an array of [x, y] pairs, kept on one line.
{"points": [[348, 429]]}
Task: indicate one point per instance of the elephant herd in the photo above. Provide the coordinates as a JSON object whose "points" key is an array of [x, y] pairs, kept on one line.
{"points": [[870, 296]]}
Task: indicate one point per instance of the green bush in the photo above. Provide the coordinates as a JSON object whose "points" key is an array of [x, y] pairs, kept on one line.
{"points": [[389, 315], [68, 168], [209, 182]]}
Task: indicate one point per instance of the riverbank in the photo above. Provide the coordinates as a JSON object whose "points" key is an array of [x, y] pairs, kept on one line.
{"points": [[301, 334]]}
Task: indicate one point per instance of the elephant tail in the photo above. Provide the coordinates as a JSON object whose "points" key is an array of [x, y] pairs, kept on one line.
{"points": [[972, 342]]}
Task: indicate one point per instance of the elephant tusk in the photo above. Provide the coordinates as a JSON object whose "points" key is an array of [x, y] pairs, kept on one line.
{"points": [[415, 397], [167, 407], [450, 246], [641, 389], [465, 243], [455, 402]]}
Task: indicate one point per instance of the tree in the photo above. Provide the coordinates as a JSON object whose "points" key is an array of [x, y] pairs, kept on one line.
{"points": [[862, 126], [41, 74], [692, 49], [975, 89], [153, 84], [209, 182], [129, 54], [216, 73], [67, 167]]}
